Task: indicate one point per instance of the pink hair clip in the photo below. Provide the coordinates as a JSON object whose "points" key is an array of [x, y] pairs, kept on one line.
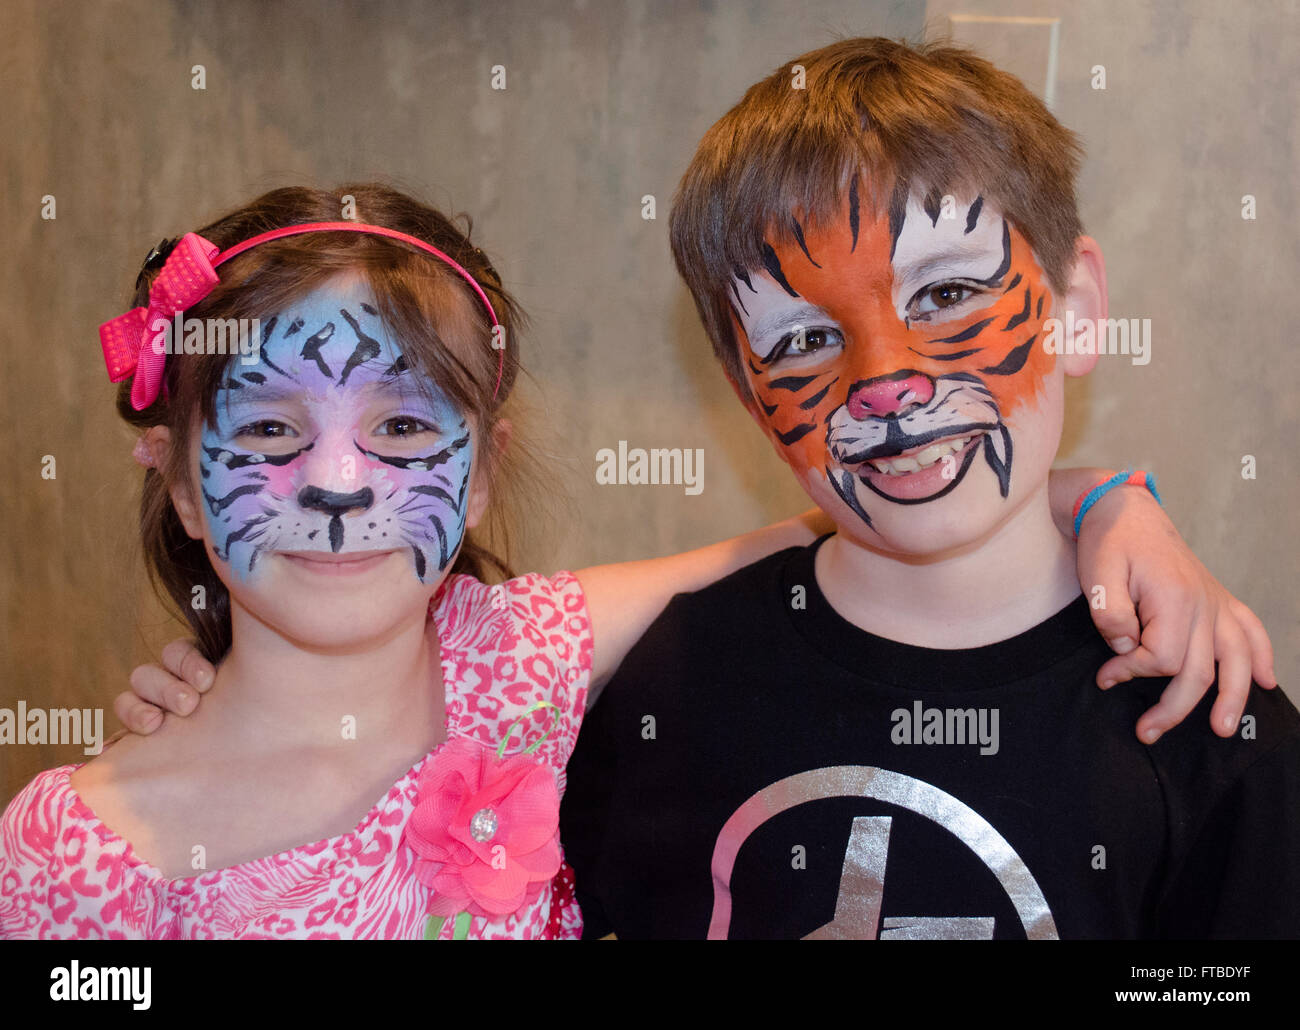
{"points": [[186, 278]]}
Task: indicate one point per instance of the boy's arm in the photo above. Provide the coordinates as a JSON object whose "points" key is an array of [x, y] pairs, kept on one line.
{"points": [[1127, 545]]}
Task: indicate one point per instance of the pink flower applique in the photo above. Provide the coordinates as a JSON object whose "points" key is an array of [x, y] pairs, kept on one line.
{"points": [[486, 830]]}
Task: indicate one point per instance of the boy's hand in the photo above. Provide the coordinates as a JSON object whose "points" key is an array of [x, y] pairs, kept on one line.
{"points": [[1128, 545], [174, 687]]}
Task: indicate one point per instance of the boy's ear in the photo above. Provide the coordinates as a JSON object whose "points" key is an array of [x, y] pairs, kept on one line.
{"points": [[157, 442], [480, 487], [1086, 298]]}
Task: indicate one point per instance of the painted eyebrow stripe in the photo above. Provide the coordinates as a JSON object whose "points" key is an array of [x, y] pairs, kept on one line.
{"points": [[1013, 362], [367, 348], [996, 277], [973, 216], [932, 206], [790, 383], [738, 300], [966, 334], [756, 371], [261, 350], [955, 356], [796, 434], [743, 276], [773, 266], [311, 349], [1016, 320], [897, 216], [798, 235]]}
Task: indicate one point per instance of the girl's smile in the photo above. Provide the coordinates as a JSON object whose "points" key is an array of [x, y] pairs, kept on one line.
{"points": [[324, 563]]}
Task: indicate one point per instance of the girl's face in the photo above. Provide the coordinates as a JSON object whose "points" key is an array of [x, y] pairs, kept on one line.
{"points": [[329, 474]]}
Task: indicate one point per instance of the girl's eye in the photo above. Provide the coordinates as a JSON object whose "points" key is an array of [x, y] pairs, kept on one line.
{"points": [[937, 298], [805, 341], [266, 429], [403, 425]]}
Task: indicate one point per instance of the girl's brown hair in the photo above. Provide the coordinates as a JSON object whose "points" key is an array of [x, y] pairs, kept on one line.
{"points": [[932, 117], [446, 337]]}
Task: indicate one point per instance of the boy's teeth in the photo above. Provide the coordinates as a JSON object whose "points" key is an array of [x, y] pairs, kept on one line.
{"points": [[920, 460]]}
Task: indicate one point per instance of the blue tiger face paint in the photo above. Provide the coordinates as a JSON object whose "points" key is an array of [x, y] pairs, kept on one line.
{"points": [[327, 453]]}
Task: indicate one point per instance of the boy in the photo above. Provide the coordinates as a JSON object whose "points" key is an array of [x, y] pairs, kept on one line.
{"points": [[890, 733]]}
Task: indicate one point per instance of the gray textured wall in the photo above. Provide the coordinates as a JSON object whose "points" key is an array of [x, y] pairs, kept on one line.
{"points": [[605, 103]]}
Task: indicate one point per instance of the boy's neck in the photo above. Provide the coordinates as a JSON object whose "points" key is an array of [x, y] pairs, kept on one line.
{"points": [[1001, 585]]}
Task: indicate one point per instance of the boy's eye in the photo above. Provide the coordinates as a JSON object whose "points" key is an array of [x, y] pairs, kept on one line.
{"points": [[937, 298], [804, 341], [403, 425]]}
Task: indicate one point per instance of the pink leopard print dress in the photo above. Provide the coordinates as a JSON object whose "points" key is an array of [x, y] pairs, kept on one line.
{"points": [[64, 874]]}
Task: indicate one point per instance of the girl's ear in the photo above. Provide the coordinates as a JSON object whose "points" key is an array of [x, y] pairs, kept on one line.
{"points": [[481, 481], [157, 443]]}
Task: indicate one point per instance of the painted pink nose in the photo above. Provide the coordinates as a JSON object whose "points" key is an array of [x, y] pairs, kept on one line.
{"points": [[881, 398]]}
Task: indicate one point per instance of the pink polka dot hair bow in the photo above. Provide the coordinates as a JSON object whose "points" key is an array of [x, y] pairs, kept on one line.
{"points": [[134, 342]]}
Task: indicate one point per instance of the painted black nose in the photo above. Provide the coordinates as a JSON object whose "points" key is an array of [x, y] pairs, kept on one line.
{"points": [[335, 505], [313, 498]]}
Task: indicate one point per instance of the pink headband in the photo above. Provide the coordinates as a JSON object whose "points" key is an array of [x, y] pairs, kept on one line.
{"points": [[189, 275]]}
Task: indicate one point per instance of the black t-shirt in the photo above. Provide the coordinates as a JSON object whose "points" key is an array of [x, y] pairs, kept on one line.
{"points": [[759, 767]]}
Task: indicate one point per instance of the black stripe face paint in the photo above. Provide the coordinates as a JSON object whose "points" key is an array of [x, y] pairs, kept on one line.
{"points": [[891, 359], [334, 447]]}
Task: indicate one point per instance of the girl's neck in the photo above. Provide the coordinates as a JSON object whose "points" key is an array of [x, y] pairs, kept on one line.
{"points": [[281, 693], [1015, 577]]}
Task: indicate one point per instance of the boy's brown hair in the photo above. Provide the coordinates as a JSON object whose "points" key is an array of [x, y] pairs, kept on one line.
{"points": [[931, 118]]}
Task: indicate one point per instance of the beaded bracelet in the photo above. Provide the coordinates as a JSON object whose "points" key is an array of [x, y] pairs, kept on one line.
{"points": [[1090, 497]]}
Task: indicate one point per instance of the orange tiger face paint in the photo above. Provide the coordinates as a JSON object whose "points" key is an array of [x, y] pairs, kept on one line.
{"points": [[892, 359]]}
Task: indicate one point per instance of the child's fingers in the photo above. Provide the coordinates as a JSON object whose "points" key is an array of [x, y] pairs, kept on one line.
{"points": [[1116, 619], [136, 715], [155, 686], [1161, 649], [1261, 648], [1232, 650], [1183, 693], [183, 660]]}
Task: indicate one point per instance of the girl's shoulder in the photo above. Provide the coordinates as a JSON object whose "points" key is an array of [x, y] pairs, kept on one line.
{"points": [[509, 646], [42, 836]]}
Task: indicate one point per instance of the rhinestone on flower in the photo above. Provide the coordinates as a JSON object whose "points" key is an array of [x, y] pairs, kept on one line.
{"points": [[483, 827]]}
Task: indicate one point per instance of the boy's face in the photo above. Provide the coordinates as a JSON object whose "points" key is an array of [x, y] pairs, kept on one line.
{"points": [[900, 370]]}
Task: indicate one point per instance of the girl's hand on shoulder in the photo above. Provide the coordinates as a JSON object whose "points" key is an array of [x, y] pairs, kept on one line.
{"points": [[1165, 614], [174, 687]]}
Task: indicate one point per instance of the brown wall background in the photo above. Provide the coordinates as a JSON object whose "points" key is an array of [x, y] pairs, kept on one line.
{"points": [[605, 103]]}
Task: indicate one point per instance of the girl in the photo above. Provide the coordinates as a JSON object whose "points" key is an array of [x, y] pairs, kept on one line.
{"points": [[308, 508]]}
